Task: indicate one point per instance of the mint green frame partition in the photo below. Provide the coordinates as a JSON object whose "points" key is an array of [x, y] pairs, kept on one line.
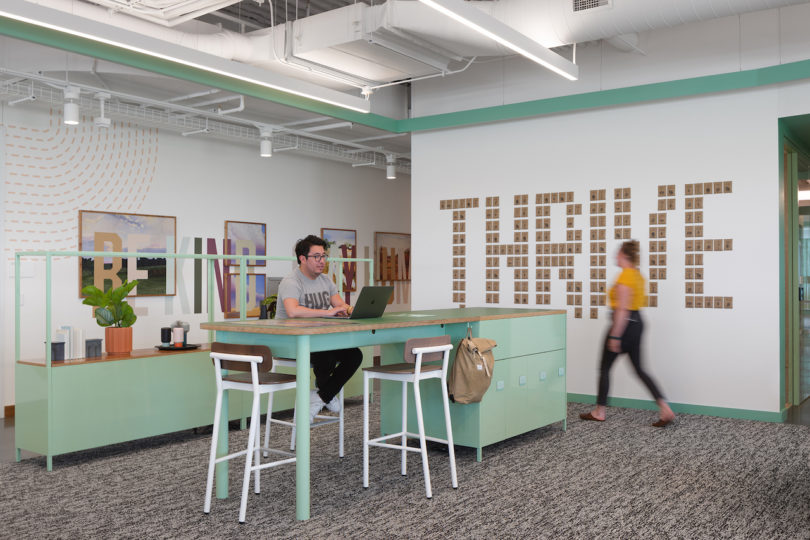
{"points": [[41, 387]]}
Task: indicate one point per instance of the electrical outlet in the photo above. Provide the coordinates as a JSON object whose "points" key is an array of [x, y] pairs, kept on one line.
{"points": [[542, 375], [561, 371], [499, 385], [522, 380]]}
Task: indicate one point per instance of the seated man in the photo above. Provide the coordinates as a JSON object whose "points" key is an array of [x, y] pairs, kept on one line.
{"points": [[306, 292]]}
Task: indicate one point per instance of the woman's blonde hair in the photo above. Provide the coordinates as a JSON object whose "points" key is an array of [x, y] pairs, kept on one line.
{"points": [[631, 250]]}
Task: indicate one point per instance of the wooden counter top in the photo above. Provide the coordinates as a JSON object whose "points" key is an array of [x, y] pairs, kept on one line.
{"points": [[302, 326], [135, 353]]}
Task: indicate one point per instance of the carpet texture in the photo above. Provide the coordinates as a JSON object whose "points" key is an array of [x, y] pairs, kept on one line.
{"points": [[703, 477]]}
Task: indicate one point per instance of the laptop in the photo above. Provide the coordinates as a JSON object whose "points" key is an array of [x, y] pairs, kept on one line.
{"points": [[371, 302]]}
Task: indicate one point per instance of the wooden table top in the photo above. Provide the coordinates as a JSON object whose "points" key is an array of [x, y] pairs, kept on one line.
{"points": [[302, 326]]}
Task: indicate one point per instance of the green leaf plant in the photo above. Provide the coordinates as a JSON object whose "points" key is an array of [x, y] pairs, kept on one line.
{"points": [[111, 307]]}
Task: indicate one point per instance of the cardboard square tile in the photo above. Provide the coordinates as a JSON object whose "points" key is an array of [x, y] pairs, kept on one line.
{"points": [[617, 220], [602, 300], [653, 260], [728, 244], [578, 313], [698, 189], [569, 300], [562, 273], [653, 301], [699, 273], [689, 203], [718, 187], [517, 199], [475, 202], [546, 198], [617, 207], [578, 287], [718, 302], [594, 193], [489, 201], [626, 193], [602, 194], [708, 245], [600, 286], [602, 273], [517, 211], [698, 231], [662, 232], [727, 186], [626, 206], [602, 208], [496, 285], [698, 287], [662, 219], [538, 299], [578, 209], [594, 221], [718, 245], [569, 287], [653, 219], [690, 273], [689, 231], [707, 187], [653, 232], [670, 204], [569, 196], [662, 260], [690, 302], [578, 235], [594, 208], [618, 193], [662, 245], [698, 203], [569, 222], [653, 287], [699, 302], [662, 191], [569, 235], [662, 274], [698, 244], [671, 190], [690, 245], [524, 199], [617, 234], [442, 205], [594, 313], [594, 299], [462, 214], [547, 211], [555, 198], [699, 217], [547, 273], [468, 203], [653, 273], [463, 226], [594, 273], [601, 233], [602, 221], [728, 302], [690, 287], [689, 189], [546, 286], [602, 247], [578, 300], [601, 260], [690, 259], [496, 298], [626, 233], [524, 261], [662, 204]]}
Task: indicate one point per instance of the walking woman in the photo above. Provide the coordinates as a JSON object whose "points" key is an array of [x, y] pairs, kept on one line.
{"points": [[624, 336]]}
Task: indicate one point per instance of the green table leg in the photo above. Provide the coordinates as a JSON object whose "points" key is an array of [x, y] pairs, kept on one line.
{"points": [[221, 470], [49, 463], [478, 455], [302, 428], [18, 456]]}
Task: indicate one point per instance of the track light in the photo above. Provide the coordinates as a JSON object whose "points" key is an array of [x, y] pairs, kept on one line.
{"points": [[390, 167], [71, 111], [101, 120], [266, 144]]}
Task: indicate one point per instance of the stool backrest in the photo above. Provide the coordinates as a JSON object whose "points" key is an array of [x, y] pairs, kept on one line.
{"points": [[247, 350], [416, 343]]}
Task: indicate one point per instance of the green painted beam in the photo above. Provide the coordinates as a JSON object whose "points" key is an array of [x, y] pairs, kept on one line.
{"points": [[724, 82], [95, 49]]}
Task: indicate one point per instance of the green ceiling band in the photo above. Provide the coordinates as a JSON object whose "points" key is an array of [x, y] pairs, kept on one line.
{"points": [[725, 82]]}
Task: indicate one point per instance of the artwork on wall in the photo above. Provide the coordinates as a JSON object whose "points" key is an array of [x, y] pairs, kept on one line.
{"points": [[254, 294], [245, 238], [392, 256], [342, 243], [132, 233]]}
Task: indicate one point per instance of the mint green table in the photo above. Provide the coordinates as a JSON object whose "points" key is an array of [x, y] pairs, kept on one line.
{"points": [[526, 337]]}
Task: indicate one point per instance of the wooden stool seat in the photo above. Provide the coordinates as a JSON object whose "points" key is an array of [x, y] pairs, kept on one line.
{"points": [[403, 367], [264, 378]]}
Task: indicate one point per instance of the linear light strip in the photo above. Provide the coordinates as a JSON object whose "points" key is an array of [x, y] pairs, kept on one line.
{"points": [[505, 35], [41, 21]]}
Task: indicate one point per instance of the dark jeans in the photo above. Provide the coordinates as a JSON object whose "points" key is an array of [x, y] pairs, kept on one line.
{"points": [[333, 369], [630, 344]]}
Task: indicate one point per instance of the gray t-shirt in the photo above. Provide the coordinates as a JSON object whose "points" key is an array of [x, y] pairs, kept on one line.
{"points": [[311, 293]]}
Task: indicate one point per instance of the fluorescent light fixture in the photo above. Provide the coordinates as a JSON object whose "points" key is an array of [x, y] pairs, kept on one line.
{"points": [[390, 167], [505, 35], [20, 10]]}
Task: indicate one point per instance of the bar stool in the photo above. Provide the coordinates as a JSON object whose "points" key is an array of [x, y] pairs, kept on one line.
{"points": [[320, 419], [413, 370], [254, 362]]}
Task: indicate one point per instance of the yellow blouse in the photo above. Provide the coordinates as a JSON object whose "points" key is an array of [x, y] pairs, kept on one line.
{"points": [[632, 278]]}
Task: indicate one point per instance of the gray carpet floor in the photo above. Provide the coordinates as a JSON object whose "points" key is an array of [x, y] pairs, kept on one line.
{"points": [[703, 477]]}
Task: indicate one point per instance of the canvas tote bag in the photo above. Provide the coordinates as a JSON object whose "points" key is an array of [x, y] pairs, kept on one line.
{"points": [[471, 372]]}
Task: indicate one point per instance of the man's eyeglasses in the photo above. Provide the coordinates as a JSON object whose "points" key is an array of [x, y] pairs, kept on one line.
{"points": [[318, 257]]}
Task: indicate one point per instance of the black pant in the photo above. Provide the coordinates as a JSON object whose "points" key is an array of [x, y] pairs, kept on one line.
{"points": [[333, 369], [630, 344]]}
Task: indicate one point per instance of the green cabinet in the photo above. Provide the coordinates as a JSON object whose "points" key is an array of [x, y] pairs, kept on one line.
{"points": [[528, 389]]}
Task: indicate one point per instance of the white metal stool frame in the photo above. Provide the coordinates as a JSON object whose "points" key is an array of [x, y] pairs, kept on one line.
{"points": [[264, 383], [320, 419], [412, 373]]}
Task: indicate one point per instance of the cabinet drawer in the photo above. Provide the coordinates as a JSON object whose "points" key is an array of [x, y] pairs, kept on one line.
{"points": [[525, 335]]}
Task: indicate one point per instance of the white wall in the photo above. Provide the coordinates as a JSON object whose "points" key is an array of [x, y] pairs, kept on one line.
{"points": [[51, 171], [712, 357]]}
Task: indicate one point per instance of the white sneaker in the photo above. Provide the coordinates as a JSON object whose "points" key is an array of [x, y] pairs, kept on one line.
{"points": [[315, 404], [334, 405]]}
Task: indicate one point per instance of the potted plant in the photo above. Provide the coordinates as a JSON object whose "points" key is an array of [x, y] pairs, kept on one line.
{"points": [[267, 308], [113, 313]]}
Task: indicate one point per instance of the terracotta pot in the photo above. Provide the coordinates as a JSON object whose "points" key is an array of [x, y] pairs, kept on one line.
{"points": [[118, 340]]}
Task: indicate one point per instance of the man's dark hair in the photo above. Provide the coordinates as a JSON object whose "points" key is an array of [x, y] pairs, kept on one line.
{"points": [[303, 245]]}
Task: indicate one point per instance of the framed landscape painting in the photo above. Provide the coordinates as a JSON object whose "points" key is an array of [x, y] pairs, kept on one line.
{"points": [[245, 238], [342, 244], [392, 256], [254, 294], [132, 233]]}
